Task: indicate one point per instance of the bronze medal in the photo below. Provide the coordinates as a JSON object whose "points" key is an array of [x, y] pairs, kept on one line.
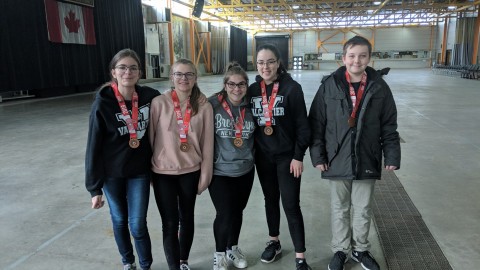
{"points": [[268, 130], [184, 147], [134, 143], [351, 122], [238, 142]]}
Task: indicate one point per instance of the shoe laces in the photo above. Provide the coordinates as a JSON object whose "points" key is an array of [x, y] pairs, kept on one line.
{"points": [[366, 258], [342, 256], [272, 245], [219, 260], [237, 253]]}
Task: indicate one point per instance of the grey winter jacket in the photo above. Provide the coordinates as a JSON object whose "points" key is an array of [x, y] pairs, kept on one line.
{"points": [[354, 153]]}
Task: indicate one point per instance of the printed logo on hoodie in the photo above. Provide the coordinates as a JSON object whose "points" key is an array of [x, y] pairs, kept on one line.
{"points": [[257, 109], [143, 117], [224, 127]]}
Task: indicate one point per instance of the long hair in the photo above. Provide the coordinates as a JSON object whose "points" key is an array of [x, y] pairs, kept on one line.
{"points": [[119, 56], [281, 68], [233, 68], [196, 93]]}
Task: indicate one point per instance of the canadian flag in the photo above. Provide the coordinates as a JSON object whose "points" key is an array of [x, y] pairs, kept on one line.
{"points": [[69, 23]]}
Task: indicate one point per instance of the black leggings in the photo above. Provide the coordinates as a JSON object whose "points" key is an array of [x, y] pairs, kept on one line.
{"points": [[175, 196], [276, 179], [229, 196]]}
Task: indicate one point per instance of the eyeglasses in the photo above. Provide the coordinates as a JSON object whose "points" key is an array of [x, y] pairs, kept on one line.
{"points": [[123, 68], [232, 85], [188, 75], [268, 63]]}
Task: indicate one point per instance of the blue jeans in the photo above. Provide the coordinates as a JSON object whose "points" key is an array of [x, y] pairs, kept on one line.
{"points": [[128, 201]]}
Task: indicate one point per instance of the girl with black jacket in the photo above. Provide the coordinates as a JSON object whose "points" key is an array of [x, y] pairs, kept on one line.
{"points": [[118, 155], [281, 139]]}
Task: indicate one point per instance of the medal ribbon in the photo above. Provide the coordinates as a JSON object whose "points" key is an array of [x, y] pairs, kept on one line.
{"points": [[132, 122], [238, 125], [267, 107], [182, 122], [356, 99]]}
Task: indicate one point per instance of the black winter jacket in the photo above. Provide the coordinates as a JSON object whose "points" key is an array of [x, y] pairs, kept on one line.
{"points": [[354, 153]]}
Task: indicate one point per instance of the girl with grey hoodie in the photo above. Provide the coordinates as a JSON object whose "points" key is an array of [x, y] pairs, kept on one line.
{"points": [[234, 170]]}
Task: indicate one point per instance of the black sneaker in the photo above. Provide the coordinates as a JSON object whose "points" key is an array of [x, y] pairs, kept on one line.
{"points": [[338, 261], [302, 264], [366, 259], [271, 251]]}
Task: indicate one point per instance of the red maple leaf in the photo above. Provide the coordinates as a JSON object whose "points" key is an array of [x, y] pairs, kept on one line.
{"points": [[72, 23]]}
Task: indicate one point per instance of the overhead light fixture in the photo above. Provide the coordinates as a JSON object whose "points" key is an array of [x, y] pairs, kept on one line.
{"points": [[295, 6], [377, 3], [451, 7]]}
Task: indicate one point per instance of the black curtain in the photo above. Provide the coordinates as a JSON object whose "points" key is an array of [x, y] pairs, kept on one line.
{"points": [[281, 42], [32, 62], [238, 46]]}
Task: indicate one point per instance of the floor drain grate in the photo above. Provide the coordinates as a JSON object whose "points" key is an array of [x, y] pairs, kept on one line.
{"points": [[405, 239]]}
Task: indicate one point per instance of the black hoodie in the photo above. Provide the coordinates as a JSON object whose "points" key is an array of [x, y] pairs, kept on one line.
{"points": [[108, 153], [291, 131]]}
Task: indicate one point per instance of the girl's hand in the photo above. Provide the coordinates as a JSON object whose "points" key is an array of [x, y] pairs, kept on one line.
{"points": [[296, 167], [97, 202]]}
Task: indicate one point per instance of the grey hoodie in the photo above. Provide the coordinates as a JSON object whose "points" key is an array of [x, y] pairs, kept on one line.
{"points": [[230, 160]]}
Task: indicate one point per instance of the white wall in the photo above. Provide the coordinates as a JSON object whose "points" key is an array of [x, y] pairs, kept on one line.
{"points": [[304, 42], [452, 26], [386, 39], [402, 39]]}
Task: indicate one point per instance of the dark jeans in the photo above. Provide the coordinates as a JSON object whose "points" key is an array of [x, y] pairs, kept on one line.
{"points": [[175, 196], [128, 202], [229, 196], [277, 182]]}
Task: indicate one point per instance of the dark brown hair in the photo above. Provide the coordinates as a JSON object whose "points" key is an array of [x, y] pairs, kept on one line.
{"points": [[357, 40], [281, 68], [119, 56], [233, 68]]}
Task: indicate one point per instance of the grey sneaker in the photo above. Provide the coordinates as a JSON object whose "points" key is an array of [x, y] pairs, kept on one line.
{"points": [[237, 258]]}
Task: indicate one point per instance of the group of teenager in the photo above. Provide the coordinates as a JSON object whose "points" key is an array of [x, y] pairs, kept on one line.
{"points": [[182, 143]]}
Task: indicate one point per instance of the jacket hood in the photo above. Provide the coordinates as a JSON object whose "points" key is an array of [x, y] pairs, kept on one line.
{"points": [[106, 91], [280, 77]]}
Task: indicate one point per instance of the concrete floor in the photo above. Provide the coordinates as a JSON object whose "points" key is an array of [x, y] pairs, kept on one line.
{"points": [[46, 221]]}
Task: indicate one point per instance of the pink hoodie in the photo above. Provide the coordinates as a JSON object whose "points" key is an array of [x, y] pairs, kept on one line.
{"points": [[164, 138]]}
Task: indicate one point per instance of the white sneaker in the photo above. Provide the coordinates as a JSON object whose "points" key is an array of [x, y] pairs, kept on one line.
{"points": [[184, 266], [129, 266], [236, 257], [219, 261]]}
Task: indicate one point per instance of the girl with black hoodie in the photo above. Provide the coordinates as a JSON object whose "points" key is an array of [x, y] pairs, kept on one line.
{"points": [[118, 156], [281, 139]]}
